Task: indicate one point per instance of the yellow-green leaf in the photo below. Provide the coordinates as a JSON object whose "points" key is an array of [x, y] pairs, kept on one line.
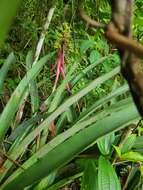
{"points": [[132, 156]]}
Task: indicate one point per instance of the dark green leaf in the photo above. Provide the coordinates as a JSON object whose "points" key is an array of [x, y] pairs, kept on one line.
{"points": [[89, 179], [86, 44]]}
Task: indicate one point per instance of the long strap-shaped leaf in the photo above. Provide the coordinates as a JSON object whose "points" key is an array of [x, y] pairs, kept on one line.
{"points": [[22, 147], [4, 69], [69, 102], [13, 104], [65, 151]]}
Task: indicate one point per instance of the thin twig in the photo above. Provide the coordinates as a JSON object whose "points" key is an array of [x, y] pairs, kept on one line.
{"points": [[11, 160], [125, 134], [124, 42], [90, 21]]}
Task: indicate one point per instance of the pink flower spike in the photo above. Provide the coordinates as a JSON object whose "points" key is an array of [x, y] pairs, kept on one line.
{"points": [[59, 62], [62, 72]]}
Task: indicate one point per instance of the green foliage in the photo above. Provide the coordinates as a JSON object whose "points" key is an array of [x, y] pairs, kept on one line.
{"points": [[132, 156], [66, 137], [8, 10], [89, 179], [4, 70], [107, 178], [18, 95], [128, 143], [105, 143]]}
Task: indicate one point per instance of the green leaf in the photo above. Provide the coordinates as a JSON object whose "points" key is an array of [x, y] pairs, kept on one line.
{"points": [[65, 181], [77, 138], [107, 178], [141, 169], [94, 56], [70, 101], [17, 96], [138, 144], [86, 44], [128, 143], [7, 12], [89, 178], [105, 143], [118, 150], [132, 156], [4, 70], [89, 68], [85, 90], [47, 181], [102, 101], [33, 85]]}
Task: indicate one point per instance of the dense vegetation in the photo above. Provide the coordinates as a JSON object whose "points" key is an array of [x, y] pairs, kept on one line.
{"points": [[67, 119]]}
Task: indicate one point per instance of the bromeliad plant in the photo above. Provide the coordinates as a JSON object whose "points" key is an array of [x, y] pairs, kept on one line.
{"points": [[90, 146], [41, 169]]}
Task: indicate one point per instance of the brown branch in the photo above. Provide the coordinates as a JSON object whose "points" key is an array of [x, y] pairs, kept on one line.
{"points": [[113, 36], [124, 43], [130, 52], [90, 21]]}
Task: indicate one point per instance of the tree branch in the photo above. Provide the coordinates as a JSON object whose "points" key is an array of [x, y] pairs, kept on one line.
{"points": [[90, 21]]}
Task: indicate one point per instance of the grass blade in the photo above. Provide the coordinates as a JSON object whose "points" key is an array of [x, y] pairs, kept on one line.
{"points": [[13, 104], [4, 70], [33, 85], [103, 100]]}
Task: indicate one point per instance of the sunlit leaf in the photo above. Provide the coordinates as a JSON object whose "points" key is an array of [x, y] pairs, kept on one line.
{"points": [[118, 150], [105, 143], [132, 156], [107, 178]]}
